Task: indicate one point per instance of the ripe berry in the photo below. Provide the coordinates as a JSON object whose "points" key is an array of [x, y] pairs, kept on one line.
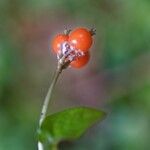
{"points": [[58, 40], [81, 61], [81, 39]]}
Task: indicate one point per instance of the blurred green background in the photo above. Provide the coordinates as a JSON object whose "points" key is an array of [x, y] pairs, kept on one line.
{"points": [[117, 79]]}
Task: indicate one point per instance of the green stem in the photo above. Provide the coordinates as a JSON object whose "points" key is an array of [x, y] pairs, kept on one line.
{"points": [[49, 95], [46, 101]]}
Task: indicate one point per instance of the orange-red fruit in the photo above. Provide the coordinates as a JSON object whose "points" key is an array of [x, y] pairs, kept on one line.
{"points": [[81, 38], [57, 41], [80, 61]]}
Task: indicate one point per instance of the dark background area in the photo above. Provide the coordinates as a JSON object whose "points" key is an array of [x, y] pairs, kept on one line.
{"points": [[116, 80]]}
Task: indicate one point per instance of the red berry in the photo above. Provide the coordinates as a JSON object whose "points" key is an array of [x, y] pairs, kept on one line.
{"points": [[57, 41], [81, 38], [81, 61]]}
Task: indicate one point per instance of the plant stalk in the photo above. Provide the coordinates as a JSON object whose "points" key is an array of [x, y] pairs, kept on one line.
{"points": [[49, 95], [47, 99]]}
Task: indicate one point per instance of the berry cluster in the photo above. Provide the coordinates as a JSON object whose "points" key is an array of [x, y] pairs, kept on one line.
{"points": [[74, 46]]}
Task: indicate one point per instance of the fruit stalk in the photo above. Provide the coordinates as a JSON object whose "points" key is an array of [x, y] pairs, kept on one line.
{"points": [[48, 98], [49, 95]]}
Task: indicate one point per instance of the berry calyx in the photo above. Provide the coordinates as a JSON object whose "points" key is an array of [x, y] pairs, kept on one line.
{"points": [[57, 42], [80, 61], [81, 39]]}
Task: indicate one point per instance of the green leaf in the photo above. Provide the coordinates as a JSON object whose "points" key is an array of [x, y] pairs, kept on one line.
{"points": [[69, 124]]}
